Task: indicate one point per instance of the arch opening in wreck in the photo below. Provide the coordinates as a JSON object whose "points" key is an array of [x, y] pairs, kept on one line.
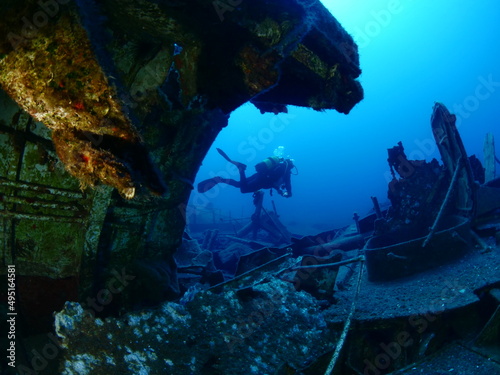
{"points": [[133, 93]]}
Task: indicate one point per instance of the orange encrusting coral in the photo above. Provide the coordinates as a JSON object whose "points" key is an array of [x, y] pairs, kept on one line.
{"points": [[56, 78]]}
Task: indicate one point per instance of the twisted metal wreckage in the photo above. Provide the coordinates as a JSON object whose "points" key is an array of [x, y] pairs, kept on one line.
{"points": [[108, 109]]}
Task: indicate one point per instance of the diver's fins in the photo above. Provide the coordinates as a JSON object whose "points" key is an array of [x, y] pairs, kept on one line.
{"points": [[238, 165], [206, 185], [224, 155]]}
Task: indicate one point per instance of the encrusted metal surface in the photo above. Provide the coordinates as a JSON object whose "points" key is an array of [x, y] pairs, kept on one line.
{"points": [[132, 94]]}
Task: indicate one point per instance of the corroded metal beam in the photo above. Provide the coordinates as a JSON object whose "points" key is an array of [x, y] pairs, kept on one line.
{"points": [[134, 92], [62, 66]]}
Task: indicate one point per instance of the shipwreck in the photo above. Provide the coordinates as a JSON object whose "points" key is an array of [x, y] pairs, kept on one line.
{"points": [[107, 109]]}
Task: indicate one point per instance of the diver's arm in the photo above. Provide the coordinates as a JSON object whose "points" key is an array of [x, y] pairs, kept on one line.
{"points": [[288, 185]]}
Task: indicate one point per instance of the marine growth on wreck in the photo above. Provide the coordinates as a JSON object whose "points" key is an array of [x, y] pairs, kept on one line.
{"points": [[107, 110]]}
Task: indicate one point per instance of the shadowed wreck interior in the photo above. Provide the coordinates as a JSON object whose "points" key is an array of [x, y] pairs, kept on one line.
{"points": [[131, 95]]}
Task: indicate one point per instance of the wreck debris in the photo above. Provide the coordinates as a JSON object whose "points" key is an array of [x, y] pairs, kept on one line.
{"points": [[452, 150], [328, 242], [488, 337], [400, 254], [321, 265], [248, 276], [376, 207], [445, 202], [56, 79], [259, 269], [191, 254], [252, 331], [210, 239], [321, 276], [429, 203], [213, 326], [347, 325], [91, 342], [42, 211], [482, 244], [265, 220], [478, 171], [230, 255], [412, 207], [419, 202], [87, 86], [488, 199], [432, 176], [489, 157], [355, 217], [132, 94]]}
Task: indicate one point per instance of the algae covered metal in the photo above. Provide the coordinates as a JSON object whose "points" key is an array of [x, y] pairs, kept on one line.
{"points": [[131, 95]]}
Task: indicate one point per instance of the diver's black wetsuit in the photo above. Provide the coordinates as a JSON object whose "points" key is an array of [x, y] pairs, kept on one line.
{"points": [[277, 178]]}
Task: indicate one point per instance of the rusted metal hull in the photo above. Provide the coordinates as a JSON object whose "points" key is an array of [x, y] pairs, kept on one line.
{"points": [[391, 256]]}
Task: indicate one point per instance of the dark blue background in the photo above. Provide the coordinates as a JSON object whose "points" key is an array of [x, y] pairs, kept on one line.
{"points": [[412, 54]]}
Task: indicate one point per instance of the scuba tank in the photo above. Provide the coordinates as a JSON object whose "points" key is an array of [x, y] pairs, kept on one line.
{"points": [[271, 162], [268, 164]]}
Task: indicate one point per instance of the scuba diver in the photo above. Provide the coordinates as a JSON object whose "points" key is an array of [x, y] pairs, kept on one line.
{"points": [[273, 172]]}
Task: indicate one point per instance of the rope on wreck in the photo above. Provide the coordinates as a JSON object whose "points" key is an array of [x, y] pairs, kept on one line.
{"points": [[347, 325], [337, 264], [445, 202]]}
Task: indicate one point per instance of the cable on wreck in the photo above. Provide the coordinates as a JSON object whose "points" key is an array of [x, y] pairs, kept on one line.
{"points": [[445, 202], [340, 343], [326, 265]]}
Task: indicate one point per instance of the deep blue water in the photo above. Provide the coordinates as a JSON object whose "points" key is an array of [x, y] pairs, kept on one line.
{"points": [[412, 53]]}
